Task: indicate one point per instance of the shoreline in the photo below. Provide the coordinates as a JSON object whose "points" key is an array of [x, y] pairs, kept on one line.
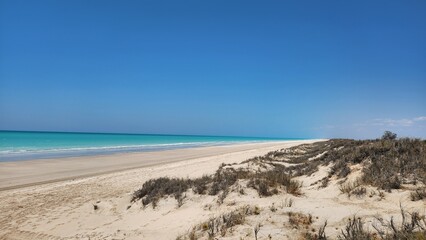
{"points": [[24, 145], [106, 151], [26, 173]]}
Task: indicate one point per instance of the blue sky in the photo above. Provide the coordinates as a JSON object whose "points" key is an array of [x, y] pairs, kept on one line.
{"points": [[248, 68]]}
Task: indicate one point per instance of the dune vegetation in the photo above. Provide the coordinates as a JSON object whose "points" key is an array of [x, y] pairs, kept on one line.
{"points": [[385, 164]]}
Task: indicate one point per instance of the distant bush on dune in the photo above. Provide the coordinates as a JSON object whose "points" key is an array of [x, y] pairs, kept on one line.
{"points": [[388, 135]]}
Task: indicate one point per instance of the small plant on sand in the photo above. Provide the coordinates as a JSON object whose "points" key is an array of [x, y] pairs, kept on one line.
{"points": [[154, 189], [313, 236], [221, 225], [261, 187], [299, 219], [381, 195], [263, 181], [354, 230], [348, 187], [321, 232], [412, 227], [256, 210], [192, 235], [273, 208], [418, 194], [288, 202], [359, 192], [211, 228], [256, 230], [324, 182]]}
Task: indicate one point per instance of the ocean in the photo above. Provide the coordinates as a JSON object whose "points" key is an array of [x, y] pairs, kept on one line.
{"points": [[18, 145]]}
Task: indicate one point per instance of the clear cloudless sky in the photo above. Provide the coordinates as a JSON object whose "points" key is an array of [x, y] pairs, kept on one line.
{"points": [[247, 68]]}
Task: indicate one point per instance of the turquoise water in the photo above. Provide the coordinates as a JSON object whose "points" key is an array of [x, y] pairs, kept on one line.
{"points": [[36, 145]]}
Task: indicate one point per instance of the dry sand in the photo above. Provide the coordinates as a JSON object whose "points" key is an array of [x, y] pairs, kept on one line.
{"points": [[63, 209]]}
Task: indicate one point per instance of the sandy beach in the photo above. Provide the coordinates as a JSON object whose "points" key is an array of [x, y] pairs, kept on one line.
{"points": [[92, 197], [27, 173], [59, 206]]}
